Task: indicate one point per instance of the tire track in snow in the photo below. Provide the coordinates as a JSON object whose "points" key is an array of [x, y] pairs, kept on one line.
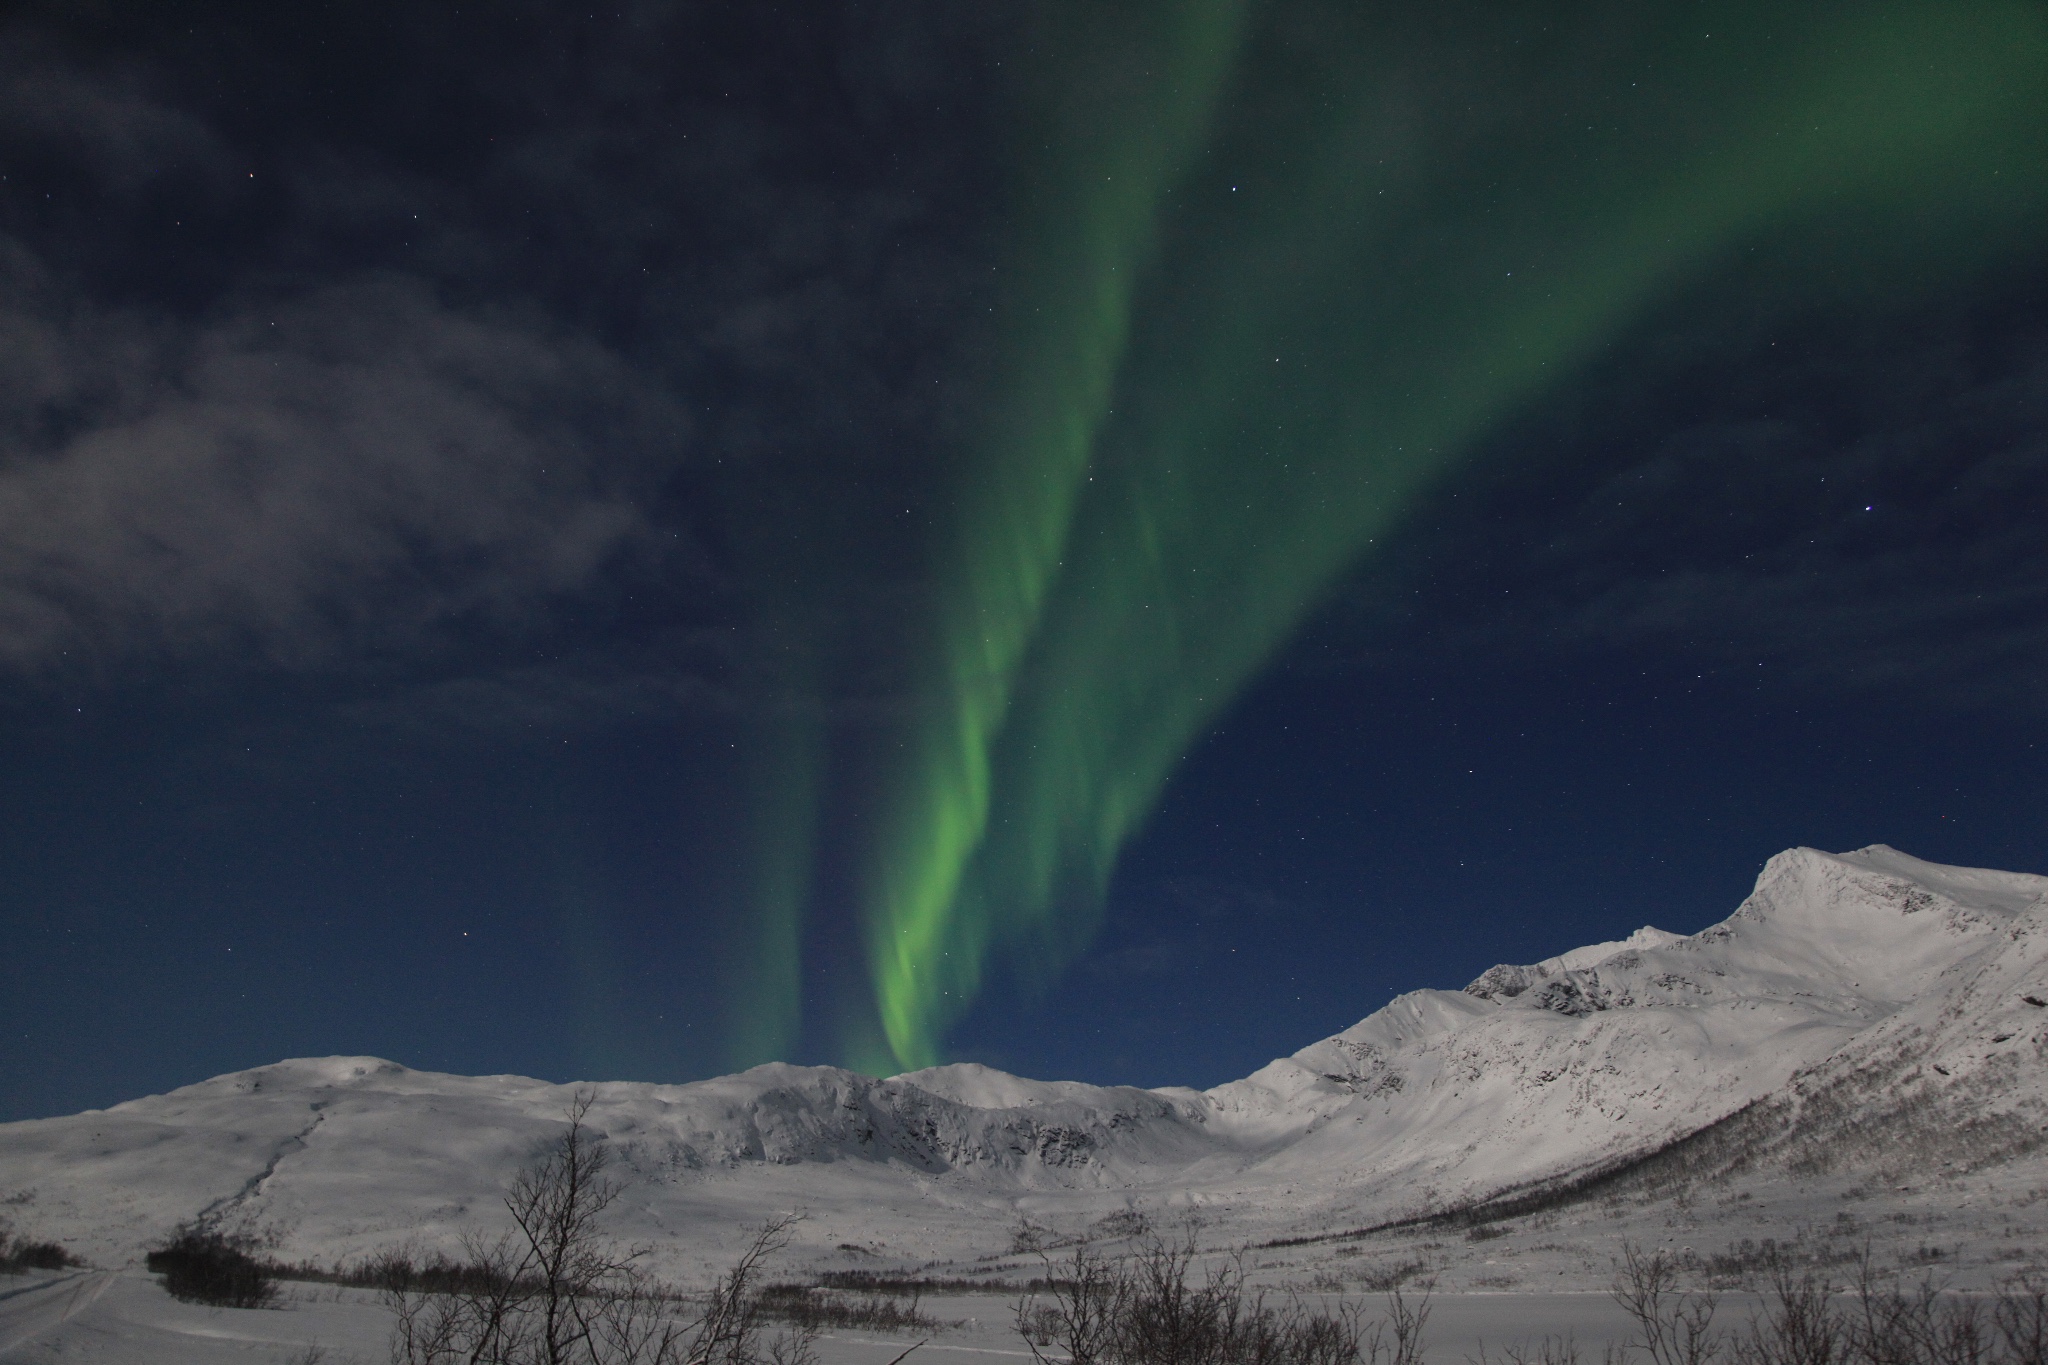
{"points": [[29, 1312]]}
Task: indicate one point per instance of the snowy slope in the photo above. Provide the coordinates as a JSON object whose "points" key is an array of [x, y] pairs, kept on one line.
{"points": [[1840, 980], [1537, 1071], [343, 1154], [1953, 1082]]}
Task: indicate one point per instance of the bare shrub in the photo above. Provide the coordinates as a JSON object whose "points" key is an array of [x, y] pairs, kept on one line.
{"points": [[404, 1271], [1799, 1324], [916, 1286], [1039, 1324], [1385, 1279], [205, 1265], [1807, 1320], [819, 1308], [1562, 1350], [1924, 1324], [19, 1253], [1028, 1237], [1122, 1224], [1155, 1308]]}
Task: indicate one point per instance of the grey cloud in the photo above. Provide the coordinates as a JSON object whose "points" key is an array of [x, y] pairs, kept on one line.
{"points": [[401, 391], [702, 670], [1204, 900], [751, 668], [1841, 530], [542, 698], [1892, 561], [355, 465], [1207, 914], [109, 123], [1157, 957]]}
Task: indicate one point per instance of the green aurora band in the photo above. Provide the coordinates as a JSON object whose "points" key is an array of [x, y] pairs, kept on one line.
{"points": [[1275, 271]]}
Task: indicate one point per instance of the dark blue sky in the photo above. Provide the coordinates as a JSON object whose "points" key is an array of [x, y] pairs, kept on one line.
{"points": [[418, 435]]}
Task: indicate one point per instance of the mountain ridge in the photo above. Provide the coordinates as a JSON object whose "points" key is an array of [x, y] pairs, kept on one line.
{"points": [[1838, 971]]}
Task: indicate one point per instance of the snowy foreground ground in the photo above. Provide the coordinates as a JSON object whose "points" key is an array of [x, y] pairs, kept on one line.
{"points": [[1855, 1060], [125, 1319]]}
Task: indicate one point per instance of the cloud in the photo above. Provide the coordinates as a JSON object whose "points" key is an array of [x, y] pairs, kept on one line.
{"points": [[223, 434], [1889, 558], [1845, 510], [1206, 915], [356, 466], [325, 344], [707, 670], [110, 124], [1156, 957], [1209, 902]]}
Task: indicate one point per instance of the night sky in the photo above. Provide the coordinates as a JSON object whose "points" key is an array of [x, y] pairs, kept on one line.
{"points": [[1103, 539]]}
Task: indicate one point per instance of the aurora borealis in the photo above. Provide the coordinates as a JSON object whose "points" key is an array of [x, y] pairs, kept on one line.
{"points": [[660, 541], [1122, 576]]}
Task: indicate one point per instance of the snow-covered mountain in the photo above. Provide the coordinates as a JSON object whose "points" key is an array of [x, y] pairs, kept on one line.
{"points": [[1850, 996]]}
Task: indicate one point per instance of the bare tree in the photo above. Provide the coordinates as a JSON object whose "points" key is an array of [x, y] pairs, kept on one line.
{"points": [[557, 1202], [1406, 1321], [557, 1292], [729, 1332], [1799, 1324], [1084, 1299], [1674, 1326], [2022, 1320]]}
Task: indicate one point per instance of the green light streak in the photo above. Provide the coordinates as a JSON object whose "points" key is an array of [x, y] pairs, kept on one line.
{"points": [[1126, 124], [1378, 276], [764, 960]]}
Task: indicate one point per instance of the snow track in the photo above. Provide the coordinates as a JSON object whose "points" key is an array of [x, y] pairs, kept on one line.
{"points": [[31, 1310]]}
